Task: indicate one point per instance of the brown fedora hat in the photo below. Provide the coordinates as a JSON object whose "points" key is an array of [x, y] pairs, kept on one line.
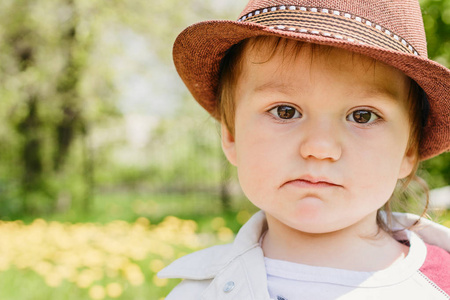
{"points": [[390, 31]]}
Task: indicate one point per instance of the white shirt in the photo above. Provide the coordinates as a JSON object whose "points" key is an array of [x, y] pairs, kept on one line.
{"points": [[402, 280], [238, 270]]}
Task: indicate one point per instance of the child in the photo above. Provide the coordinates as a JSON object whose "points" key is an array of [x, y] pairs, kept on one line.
{"points": [[325, 107]]}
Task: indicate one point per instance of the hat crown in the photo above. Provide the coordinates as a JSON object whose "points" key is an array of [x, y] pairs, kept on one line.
{"points": [[401, 17]]}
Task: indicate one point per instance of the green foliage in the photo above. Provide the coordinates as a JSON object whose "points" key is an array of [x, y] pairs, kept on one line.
{"points": [[436, 17], [46, 108], [57, 85], [436, 171]]}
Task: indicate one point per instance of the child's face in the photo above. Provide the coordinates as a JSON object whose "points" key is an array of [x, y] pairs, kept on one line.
{"points": [[320, 139]]}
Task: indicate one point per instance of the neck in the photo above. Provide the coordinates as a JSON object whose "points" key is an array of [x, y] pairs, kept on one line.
{"points": [[348, 248]]}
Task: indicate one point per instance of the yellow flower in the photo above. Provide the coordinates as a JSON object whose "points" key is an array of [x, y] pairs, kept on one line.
{"points": [[134, 274], [97, 292], [114, 290], [83, 254], [160, 282], [86, 278], [225, 234], [42, 268], [217, 223], [53, 279], [156, 265]]}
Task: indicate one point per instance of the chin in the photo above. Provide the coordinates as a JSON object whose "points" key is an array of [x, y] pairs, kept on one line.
{"points": [[316, 228], [315, 223]]}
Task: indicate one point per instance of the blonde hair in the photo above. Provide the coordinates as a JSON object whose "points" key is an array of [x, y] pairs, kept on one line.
{"points": [[407, 189]]}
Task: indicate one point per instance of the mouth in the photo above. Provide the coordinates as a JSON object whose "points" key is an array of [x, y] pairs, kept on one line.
{"points": [[310, 182]]}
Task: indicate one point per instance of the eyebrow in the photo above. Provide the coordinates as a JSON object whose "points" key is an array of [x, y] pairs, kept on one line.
{"points": [[275, 86], [375, 91]]}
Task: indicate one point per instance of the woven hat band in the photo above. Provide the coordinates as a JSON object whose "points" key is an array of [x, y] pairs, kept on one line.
{"points": [[328, 23]]}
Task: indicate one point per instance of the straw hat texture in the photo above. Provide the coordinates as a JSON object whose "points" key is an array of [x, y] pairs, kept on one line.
{"points": [[390, 31]]}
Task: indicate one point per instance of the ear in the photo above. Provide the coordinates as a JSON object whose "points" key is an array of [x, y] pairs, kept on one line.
{"points": [[408, 163], [228, 144]]}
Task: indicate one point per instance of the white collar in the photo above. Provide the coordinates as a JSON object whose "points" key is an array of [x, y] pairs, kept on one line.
{"points": [[206, 263]]}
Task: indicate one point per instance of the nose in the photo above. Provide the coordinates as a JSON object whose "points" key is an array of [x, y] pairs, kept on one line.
{"points": [[321, 140]]}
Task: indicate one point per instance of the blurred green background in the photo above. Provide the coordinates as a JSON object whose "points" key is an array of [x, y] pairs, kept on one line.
{"points": [[109, 170]]}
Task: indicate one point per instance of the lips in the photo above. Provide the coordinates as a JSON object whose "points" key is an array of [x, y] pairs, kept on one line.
{"points": [[312, 182]]}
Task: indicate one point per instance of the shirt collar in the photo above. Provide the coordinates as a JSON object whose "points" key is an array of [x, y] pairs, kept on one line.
{"points": [[207, 263]]}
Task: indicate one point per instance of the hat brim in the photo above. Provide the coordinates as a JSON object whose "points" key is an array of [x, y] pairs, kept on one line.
{"points": [[199, 49]]}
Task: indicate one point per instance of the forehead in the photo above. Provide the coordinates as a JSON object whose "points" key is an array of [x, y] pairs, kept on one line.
{"points": [[282, 64]]}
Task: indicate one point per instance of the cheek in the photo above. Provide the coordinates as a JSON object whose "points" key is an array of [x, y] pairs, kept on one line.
{"points": [[255, 146], [376, 171], [258, 161], [382, 148]]}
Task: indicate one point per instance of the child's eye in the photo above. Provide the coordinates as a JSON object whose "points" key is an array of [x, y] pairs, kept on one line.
{"points": [[362, 116], [285, 112]]}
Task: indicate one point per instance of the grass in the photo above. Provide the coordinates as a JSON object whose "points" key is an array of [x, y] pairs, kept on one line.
{"points": [[129, 207]]}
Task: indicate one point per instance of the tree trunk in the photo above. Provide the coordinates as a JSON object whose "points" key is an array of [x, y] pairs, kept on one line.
{"points": [[31, 152]]}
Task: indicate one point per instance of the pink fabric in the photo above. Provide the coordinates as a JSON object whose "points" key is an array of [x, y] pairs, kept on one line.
{"points": [[437, 267]]}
